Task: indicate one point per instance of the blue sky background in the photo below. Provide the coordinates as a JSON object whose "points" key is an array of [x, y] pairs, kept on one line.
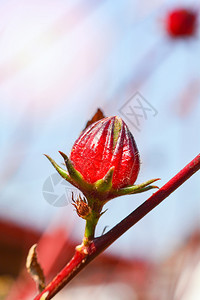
{"points": [[59, 61]]}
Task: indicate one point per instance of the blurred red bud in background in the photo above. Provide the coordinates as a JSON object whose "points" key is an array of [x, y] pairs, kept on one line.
{"points": [[181, 22]]}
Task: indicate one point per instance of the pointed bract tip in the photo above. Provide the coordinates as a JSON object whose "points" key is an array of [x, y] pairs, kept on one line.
{"points": [[48, 157], [154, 187], [63, 155], [105, 184]]}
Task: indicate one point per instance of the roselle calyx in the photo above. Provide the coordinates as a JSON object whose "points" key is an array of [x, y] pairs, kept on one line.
{"points": [[104, 163], [107, 144]]}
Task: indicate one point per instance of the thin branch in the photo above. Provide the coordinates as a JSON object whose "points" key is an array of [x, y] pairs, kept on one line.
{"points": [[81, 259]]}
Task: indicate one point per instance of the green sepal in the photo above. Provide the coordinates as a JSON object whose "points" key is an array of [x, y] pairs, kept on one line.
{"points": [[134, 189], [105, 184], [61, 171], [74, 174]]}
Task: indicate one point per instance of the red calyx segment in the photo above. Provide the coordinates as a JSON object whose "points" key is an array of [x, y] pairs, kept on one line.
{"points": [[182, 23], [105, 144]]}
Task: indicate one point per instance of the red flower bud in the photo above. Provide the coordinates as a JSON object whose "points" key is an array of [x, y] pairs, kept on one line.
{"points": [[182, 23], [107, 143], [104, 164]]}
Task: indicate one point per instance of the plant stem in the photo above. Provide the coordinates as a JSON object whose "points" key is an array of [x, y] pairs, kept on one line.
{"points": [[91, 221], [89, 230], [90, 227], [80, 260], [69, 271]]}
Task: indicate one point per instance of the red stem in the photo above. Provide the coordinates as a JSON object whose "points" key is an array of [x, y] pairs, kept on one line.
{"points": [[80, 260]]}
